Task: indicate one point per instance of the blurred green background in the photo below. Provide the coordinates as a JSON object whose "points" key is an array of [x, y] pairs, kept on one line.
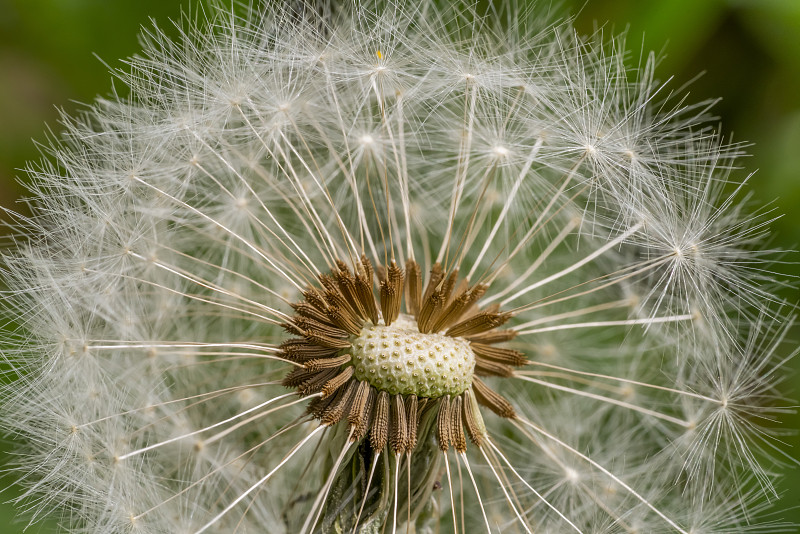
{"points": [[748, 50]]}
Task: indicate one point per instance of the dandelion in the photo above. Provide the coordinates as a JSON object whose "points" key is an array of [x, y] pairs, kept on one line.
{"points": [[393, 268]]}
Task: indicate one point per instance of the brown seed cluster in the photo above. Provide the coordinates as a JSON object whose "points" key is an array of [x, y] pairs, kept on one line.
{"points": [[343, 307]]}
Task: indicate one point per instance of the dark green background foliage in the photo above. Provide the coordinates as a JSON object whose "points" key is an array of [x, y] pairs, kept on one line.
{"points": [[747, 50]]}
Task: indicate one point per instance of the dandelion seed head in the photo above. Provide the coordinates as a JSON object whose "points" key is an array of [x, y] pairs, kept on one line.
{"points": [[391, 267]]}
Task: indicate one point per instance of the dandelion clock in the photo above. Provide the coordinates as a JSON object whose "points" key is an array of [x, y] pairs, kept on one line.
{"points": [[387, 267]]}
